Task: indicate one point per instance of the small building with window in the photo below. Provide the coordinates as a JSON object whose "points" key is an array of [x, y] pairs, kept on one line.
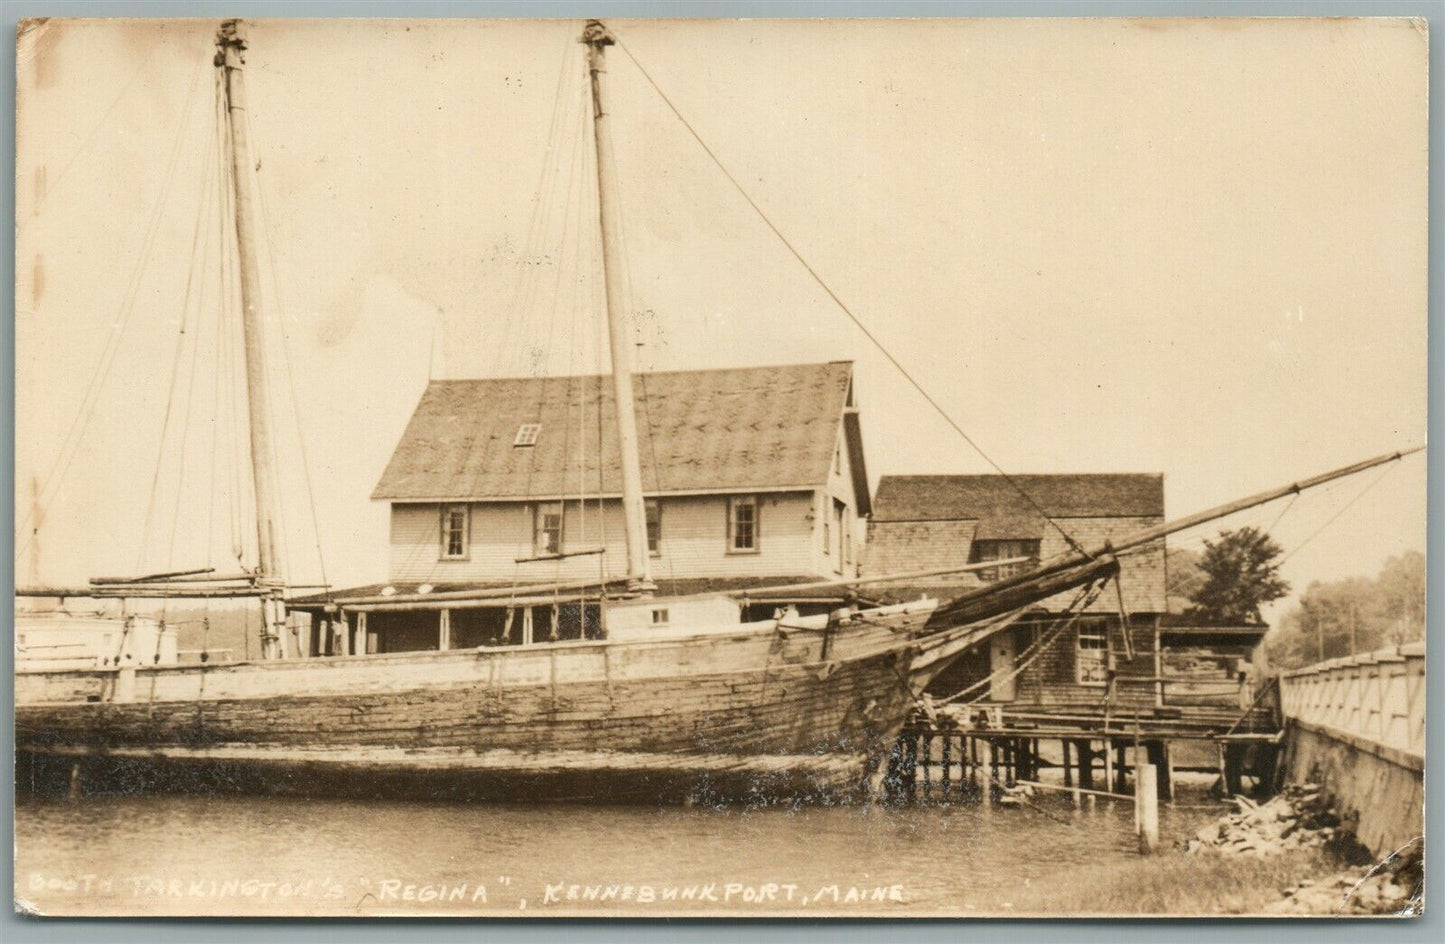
{"points": [[753, 477], [1054, 657]]}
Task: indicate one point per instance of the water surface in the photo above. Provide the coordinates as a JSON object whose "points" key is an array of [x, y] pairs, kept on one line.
{"points": [[176, 854]]}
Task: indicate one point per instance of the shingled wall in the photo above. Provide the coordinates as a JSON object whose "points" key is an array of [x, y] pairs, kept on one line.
{"points": [[930, 522]]}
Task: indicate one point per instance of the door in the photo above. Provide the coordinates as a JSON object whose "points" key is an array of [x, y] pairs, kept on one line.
{"points": [[1002, 653]]}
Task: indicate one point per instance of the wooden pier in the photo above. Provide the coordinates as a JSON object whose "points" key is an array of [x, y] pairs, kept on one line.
{"points": [[979, 752]]}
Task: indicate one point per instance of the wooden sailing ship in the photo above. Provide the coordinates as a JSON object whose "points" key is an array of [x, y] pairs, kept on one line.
{"points": [[791, 705]]}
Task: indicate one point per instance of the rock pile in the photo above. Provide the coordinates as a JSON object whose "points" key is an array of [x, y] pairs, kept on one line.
{"points": [[1298, 818], [1393, 887]]}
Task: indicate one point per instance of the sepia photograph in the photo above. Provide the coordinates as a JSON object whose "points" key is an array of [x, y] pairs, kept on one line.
{"points": [[771, 468]]}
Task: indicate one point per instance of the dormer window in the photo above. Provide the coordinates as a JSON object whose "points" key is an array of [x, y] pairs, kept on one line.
{"points": [[527, 434]]}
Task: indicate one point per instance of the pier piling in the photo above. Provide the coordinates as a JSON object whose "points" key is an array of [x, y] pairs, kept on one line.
{"points": [[1146, 806]]}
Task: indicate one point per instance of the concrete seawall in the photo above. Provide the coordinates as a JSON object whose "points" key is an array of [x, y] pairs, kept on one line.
{"points": [[1356, 726]]}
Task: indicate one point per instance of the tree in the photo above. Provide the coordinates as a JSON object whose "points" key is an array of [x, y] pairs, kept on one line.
{"points": [[1241, 574], [1356, 614], [1401, 589], [1185, 578]]}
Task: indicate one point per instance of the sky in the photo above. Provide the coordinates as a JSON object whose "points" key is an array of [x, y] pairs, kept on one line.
{"points": [[1187, 246]]}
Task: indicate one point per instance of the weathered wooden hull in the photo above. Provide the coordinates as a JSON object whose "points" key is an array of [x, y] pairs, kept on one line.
{"points": [[751, 714]]}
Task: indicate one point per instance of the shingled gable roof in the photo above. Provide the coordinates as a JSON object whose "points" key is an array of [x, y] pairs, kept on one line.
{"points": [[991, 499], [742, 429]]}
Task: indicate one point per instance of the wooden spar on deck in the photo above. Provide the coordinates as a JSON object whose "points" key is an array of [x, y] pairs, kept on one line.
{"points": [[580, 585], [978, 604], [1260, 498], [880, 578], [634, 511], [143, 592], [156, 578], [173, 581], [231, 59]]}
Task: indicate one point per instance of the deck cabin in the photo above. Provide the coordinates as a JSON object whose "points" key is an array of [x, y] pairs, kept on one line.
{"points": [[506, 510]]}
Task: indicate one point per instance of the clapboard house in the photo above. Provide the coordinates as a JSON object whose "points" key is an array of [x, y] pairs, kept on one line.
{"points": [[753, 477], [1051, 657]]}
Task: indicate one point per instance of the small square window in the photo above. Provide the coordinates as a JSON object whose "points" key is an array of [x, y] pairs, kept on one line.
{"points": [[660, 617], [527, 434]]}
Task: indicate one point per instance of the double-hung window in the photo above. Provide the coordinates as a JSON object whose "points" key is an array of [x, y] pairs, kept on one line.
{"points": [[547, 536], [984, 551], [1091, 656], [456, 532], [743, 525]]}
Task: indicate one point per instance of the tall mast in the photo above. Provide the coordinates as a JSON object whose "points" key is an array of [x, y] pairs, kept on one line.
{"points": [[634, 510], [231, 59]]}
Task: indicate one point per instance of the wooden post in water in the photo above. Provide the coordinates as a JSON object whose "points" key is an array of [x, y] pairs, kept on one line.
{"points": [[972, 748], [1146, 807], [927, 761], [73, 793], [989, 761], [1158, 755], [1109, 766], [910, 768], [948, 762], [1223, 778]]}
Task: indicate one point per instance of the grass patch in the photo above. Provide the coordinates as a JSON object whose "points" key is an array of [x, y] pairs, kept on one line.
{"points": [[1173, 883]]}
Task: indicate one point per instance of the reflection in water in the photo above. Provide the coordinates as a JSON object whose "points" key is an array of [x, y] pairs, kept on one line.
{"points": [[265, 855]]}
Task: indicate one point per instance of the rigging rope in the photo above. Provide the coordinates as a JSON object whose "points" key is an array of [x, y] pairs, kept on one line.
{"points": [[75, 433], [858, 322], [84, 146], [176, 358], [290, 372], [541, 213], [576, 169], [190, 400], [1346, 507], [228, 327], [1081, 601]]}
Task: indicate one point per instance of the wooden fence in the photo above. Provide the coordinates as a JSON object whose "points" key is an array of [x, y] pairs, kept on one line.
{"points": [[1377, 698], [1357, 727]]}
